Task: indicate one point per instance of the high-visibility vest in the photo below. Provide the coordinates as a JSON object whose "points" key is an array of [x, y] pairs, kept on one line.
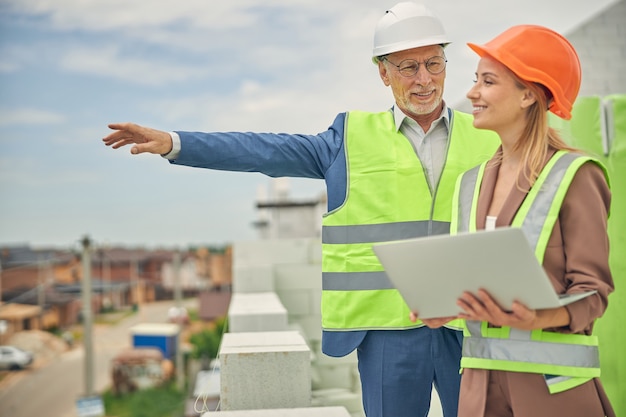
{"points": [[565, 360], [388, 198]]}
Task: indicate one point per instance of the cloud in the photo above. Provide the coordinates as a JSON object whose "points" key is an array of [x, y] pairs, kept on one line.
{"points": [[108, 62], [7, 65], [29, 116], [69, 67], [16, 55], [115, 15]]}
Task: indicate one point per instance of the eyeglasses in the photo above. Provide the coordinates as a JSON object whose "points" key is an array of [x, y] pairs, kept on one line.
{"points": [[409, 67]]}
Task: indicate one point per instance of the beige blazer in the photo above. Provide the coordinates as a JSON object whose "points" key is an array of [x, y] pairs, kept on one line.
{"points": [[577, 256]]}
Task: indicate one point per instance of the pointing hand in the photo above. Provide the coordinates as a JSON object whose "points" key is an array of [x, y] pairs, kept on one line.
{"points": [[144, 139]]}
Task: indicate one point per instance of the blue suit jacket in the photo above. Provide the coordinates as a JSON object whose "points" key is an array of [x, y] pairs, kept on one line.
{"points": [[280, 155]]}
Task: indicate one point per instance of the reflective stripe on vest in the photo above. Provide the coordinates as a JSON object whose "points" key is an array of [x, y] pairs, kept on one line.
{"points": [[578, 355], [466, 196], [364, 233], [569, 359], [388, 198]]}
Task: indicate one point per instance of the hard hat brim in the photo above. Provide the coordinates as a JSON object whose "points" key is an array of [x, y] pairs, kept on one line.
{"points": [[404, 46], [390, 50]]}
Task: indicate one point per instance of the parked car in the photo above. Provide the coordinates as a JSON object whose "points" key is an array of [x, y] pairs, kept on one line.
{"points": [[14, 358], [178, 315]]}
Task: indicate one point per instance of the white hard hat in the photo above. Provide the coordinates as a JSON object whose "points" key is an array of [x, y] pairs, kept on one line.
{"points": [[407, 25]]}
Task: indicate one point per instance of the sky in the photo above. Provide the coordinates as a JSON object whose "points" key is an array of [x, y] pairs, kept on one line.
{"points": [[68, 68]]}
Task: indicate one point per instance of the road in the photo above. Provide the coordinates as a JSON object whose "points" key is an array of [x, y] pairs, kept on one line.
{"points": [[52, 390]]}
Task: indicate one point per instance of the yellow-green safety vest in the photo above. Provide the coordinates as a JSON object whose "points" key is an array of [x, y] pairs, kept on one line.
{"points": [[388, 198], [565, 360]]}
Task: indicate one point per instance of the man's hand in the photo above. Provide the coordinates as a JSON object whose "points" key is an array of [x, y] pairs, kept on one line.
{"points": [[433, 323], [144, 138]]}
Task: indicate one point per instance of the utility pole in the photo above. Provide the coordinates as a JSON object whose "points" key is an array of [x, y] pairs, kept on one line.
{"points": [[107, 278], [134, 281], [87, 316], [180, 376], [41, 289]]}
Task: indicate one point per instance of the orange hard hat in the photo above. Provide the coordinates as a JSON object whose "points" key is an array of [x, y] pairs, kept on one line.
{"points": [[538, 54]]}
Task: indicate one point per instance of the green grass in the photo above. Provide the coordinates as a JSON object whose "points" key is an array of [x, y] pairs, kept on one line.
{"points": [[193, 314], [112, 317], [165, 401]]}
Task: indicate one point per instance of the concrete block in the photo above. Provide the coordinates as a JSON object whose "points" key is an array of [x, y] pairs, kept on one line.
{"points": [[290, 412], [297, 302], [269, 252], [256, 312], [337, 372], [311, 325], [264, 370], [338, 397], [315, 251], [298, 277], [253, 278]]}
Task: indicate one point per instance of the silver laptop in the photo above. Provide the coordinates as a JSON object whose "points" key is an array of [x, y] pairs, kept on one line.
{"points": [[432, 272]]}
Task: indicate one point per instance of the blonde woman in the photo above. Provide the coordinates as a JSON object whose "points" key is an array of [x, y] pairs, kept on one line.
{"points": [[524, 362]]}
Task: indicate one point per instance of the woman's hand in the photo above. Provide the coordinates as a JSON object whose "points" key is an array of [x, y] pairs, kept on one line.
{"points": [[482, 307]]}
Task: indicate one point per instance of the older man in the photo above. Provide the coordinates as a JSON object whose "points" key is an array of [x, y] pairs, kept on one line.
{"points": [[389, 175]]}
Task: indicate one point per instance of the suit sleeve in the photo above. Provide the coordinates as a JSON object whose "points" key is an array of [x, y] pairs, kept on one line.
{"points": [[273, 154], [583, 225]]}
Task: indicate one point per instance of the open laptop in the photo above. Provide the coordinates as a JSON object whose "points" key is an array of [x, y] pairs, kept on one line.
{"points": [[432, 272]]}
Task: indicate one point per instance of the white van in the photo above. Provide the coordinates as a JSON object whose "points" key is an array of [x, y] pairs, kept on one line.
{"points": [[14, 358]]}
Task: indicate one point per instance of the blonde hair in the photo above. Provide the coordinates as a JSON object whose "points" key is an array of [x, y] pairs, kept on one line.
{"points": [[537, 138]]}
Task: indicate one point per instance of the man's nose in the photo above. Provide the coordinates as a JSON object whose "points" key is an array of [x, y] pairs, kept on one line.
{"points": [[422, 76]]}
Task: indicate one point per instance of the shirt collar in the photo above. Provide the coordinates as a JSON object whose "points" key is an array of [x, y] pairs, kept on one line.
{"points": [[399, 116]]}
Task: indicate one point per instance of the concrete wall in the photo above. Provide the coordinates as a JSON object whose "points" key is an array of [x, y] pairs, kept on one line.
{"points": [[601, 47], [277, 297]]}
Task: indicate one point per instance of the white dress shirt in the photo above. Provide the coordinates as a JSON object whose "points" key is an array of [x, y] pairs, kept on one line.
{"points": [[431, 146]]}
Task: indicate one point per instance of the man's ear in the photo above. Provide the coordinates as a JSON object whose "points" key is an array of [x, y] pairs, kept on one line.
{"points": [[384, 74]]}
